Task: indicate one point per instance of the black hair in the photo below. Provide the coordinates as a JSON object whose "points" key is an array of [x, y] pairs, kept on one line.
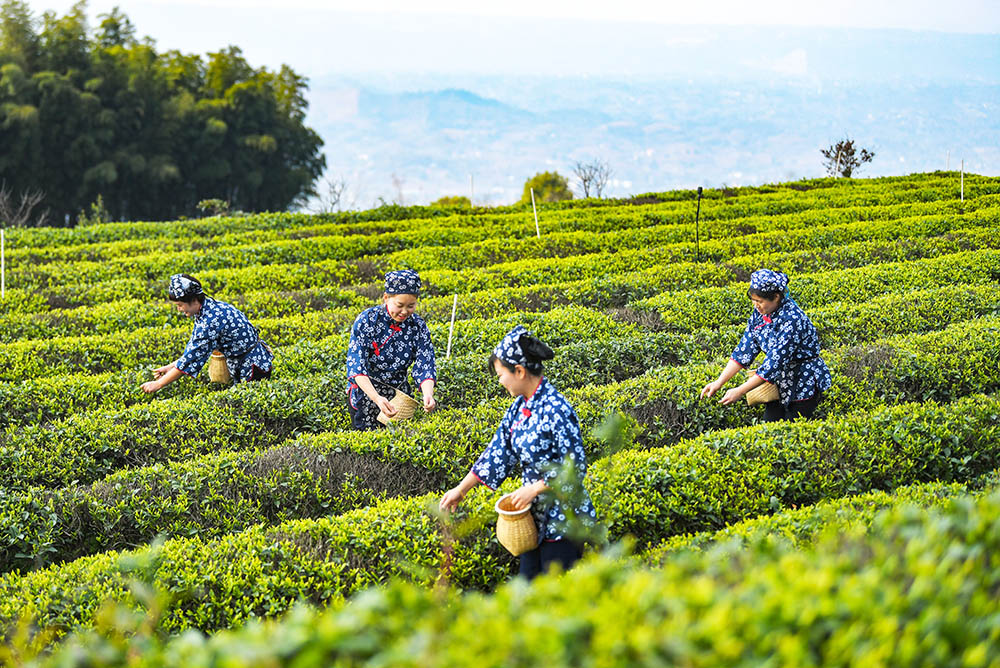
{"points": [[770, 295], [534, 350], [190, 299]]}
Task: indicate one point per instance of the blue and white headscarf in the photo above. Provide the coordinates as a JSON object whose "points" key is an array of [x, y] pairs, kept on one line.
{"points": [[509, 349], [402, 282], [766, 280], [520, 347], [182, 287]]}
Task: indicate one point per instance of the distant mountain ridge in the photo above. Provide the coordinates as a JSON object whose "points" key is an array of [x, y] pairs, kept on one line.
{"points": [[416, 137]]}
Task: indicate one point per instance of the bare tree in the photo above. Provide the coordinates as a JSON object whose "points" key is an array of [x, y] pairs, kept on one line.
{"points": [[19, 215], [332, 200], [397, 183], [592, 176], [842, 159]]}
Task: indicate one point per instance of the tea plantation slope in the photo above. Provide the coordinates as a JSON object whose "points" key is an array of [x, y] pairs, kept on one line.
{"points": [[917, 589], [702, 484]]}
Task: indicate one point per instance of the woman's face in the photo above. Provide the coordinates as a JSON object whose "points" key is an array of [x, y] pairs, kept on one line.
{"points": [[765, 306], [399, 307], [189, 310], [515, 381]]}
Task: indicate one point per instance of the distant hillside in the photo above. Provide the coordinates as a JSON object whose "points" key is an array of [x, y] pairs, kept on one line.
{"points": [[734, 106]]}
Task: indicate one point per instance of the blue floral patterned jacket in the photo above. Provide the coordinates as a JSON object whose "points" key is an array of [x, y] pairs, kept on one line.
{"points": [[791, 347], [383, 349], [223, 327], [538, 434]]}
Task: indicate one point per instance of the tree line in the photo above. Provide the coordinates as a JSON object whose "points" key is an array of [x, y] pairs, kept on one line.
{"points": [[98, 115]]}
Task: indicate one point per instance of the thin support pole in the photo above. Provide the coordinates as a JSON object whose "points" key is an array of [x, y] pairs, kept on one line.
{"points": [[697, 241], [3, 267], [451, 329], [537, 232], [963, 179]]}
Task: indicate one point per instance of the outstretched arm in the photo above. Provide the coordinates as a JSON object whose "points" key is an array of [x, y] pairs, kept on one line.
{"points": [[453, 496], [164, 376], [731, 369]]}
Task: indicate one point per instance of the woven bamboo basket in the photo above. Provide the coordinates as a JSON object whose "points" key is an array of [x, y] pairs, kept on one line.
{"points": [[516, 529], [405, 405], [762, 394], [218, 371]]}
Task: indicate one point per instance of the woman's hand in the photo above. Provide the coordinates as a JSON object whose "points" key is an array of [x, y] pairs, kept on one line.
{"points": [[522, 497], [453, 496], [160, 371], [451, 499], [710, 389], [163, 377], [427, 388], [385, 406], [732, 396]]}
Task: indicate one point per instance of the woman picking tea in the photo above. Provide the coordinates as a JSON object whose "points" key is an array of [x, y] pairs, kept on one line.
{"points": [[791, 348], [385, 341], [538, 432], [217, 326]]}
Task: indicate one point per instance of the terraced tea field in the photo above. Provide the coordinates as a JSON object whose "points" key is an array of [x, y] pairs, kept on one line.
{"points": [[867, 536]]}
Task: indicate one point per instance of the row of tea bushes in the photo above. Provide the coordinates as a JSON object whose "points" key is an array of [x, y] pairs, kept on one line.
{"points": [[131, 507], [89, 446], [803, 526], [594, 350], [713, 307], [692, 275], [916, 590], [274, 225], [126, 314], [131, 313], [324, 250], [685, 310], [617, 290], [324, 270], [702, 484], [794, 226], [157, 346]]}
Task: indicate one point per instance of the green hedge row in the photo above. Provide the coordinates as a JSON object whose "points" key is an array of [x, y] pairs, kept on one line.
{"points": [[139, 348], [877, 192], [232, 281], [593, 350], [133, 506], [89, 446], [134, 313], [697, 275], [322, 268], [802, 527], [706, 483], [713, 307], [44, 395], [122, 315], [718, 239], [917, 590], [812, 253], [339, 247], [326, 251]]}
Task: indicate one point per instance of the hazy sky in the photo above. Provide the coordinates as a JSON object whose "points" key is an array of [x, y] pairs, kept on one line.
{"points": [[318, 37]]}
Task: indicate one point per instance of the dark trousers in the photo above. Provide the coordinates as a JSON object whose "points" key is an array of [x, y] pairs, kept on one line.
{"points": [[537, 561], [364, 415], [774, 411], [256, 373]]}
